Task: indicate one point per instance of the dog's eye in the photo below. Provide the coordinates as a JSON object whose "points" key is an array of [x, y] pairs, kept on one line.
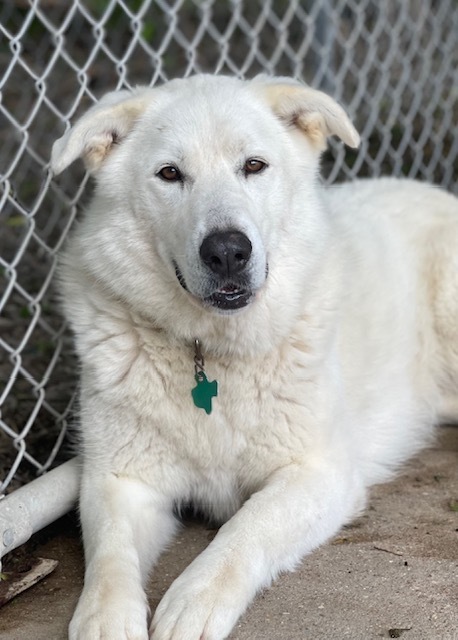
{"points": [[254, 165], [170, 174]]}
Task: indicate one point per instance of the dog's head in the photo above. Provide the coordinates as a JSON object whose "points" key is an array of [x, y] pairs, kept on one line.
{"points": [[211, 182]]}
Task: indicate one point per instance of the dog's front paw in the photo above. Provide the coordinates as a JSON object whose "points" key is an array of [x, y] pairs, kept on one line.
{"points": [[109, 616], [201, 604], [193, 614]]}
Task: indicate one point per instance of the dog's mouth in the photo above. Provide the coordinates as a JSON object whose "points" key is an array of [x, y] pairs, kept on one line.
{"points": [[231, 296]]}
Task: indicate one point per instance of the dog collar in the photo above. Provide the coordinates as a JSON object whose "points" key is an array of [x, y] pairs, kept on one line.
{"points": [[204, 390]]}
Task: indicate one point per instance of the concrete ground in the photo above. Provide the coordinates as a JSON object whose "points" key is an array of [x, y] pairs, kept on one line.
{"points": [[393, 573]]}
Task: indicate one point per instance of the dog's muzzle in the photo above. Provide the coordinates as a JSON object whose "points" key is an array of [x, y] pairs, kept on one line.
{"points": [[226, 257]]}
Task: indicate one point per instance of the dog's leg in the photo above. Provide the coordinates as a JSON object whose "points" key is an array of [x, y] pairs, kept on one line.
{"points": [[125, 526], [297, 510]]}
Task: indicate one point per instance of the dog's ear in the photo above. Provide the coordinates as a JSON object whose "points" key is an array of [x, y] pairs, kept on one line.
{"points": [[103, 126], [312, 111]]}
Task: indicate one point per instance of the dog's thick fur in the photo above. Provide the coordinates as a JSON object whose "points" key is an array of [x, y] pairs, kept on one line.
{"points": [[333, 371]]}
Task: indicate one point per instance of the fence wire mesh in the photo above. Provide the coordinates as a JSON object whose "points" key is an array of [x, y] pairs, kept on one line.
{"points": [[392, 64]]}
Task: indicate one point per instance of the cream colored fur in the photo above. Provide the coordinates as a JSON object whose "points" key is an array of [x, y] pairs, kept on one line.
{"points": [[332, 376]]}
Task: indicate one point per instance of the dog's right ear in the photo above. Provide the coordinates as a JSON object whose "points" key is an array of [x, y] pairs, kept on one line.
{"points": [[103, 126], [313, 112]]}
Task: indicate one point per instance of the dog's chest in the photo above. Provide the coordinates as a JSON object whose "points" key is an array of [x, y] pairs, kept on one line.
{"points": [[258, 420]]}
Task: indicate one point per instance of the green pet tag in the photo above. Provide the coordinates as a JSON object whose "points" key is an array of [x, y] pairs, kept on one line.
{"points": [[203, 392]]}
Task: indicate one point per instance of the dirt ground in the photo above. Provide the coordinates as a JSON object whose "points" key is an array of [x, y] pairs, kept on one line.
{"points": [[393, 573]]}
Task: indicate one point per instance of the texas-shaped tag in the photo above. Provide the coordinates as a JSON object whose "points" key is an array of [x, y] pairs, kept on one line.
{"points": [[203, 392]]}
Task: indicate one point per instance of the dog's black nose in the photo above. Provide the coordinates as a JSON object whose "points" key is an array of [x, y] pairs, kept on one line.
{"points": [[226, 253]]}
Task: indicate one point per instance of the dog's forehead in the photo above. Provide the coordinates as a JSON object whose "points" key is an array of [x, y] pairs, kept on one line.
{"points": [[219, 112], [205, 93]]}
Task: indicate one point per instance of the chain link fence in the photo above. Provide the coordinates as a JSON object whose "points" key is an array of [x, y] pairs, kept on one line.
{"points": [[393, 65]]}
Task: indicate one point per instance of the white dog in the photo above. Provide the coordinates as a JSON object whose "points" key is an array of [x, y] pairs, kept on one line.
{"points": [[251, 343]]}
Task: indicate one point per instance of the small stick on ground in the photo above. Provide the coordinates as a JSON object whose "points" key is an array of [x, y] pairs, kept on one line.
{"points": [[13, 583], [395, 553]]}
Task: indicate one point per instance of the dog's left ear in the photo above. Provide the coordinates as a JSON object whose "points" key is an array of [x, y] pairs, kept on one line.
{"points": [[312, 111], [99, 130]]}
